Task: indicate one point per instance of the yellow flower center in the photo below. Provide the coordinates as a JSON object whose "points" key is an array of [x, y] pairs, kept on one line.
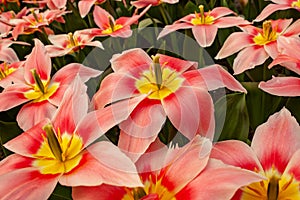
{"points": [[159, 81], [41, 90], [73, 42], [112, 27], [268, 34], [276, 187], [150, 187], [201, 18], [58, 153], [5, 70], [296, 4]]}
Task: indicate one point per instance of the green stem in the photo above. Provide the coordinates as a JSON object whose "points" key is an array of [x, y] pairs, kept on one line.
{"points": [[162, 11]]}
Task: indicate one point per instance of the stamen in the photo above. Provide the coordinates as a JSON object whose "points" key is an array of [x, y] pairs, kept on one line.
{"points": [[138, 193], [53, 142], [38, 81], [111, 24], [201, 7], [157, 71], [73, 43], [267, 29], [273, 188]]}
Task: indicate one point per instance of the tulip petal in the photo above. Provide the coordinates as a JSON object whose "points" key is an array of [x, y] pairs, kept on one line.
{"points": [[275, 141], [102, 192], [293, 166], [73, 107], [227, 22], [293, 29], [14, 162], [134, 146], [8, 55], [173, 27], [205, 34], [39, 60], [32, 138], [85, 6], [220, 12], [191, 111], [37, 111], [177, 64], [217, 181], [272, 49], [226, 151], [27, 183], [196, 153], [216, 77], [269, 9], [115, 87], [103, 163], [244, 62], [12, 96], [233, 45], [138, 59], [101, 17], [96, 123], [282, 86]]}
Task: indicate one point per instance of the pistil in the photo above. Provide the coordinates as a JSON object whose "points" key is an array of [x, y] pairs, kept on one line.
{"points": [[157, 71], [38, 81], [53, 142], [273, 188]]}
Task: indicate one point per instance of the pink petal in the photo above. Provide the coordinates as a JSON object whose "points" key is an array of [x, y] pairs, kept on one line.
{"points": [[73, 107], [288, 62], [39, 60], [271, 49], [101, 17], [191, 111], [275, 141], [280, 25], [293, 166], [218, 181], [226, 151], [13, 96], [85, 6], [134, 146], [244, 62], [27, 183], [205, 34], [144, 3], [32, 138], [287, 46], [226, 22], [103, 163], [282, 86], [38, 111], [66, 75], [115, 87], [8, 55], [58, 40], [220, 12], [173, 27], [146, 120], [54, 51], [124, 32], [234, 43], [14, 162], [15, 77], [102, 192], [293, 30], [176, 63], [138, 59], [96, 123], [269, 9], [216, 76], [127, 21], [196, 153]]}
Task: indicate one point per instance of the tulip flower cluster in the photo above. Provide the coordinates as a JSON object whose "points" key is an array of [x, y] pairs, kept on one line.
{"points": [[149, 99]]}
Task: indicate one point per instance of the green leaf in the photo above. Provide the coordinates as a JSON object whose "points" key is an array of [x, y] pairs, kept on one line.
{"points": [[147, 22], [61, 193], [260, 104], [233, 109], [189, 8]]}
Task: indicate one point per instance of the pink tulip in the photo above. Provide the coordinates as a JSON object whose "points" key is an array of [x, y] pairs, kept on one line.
{"points": [[145, 3], [279, 5], [289, 58], [60, 150], [11, 73], [184, 173], [36, 87], [256, 45], [51, 4], [36, 21], [205, 25], [274, 153], [110, 27], [85, 6], [171, 87], [69, 43]]}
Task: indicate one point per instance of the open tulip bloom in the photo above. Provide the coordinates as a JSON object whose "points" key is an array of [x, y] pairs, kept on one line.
{"points": [[41, 94], [59, 150], [167, 176], [279, 5], [171, 87], [289, 58], [274, 153], [256, 45], [145, 3], [205, 25]]}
